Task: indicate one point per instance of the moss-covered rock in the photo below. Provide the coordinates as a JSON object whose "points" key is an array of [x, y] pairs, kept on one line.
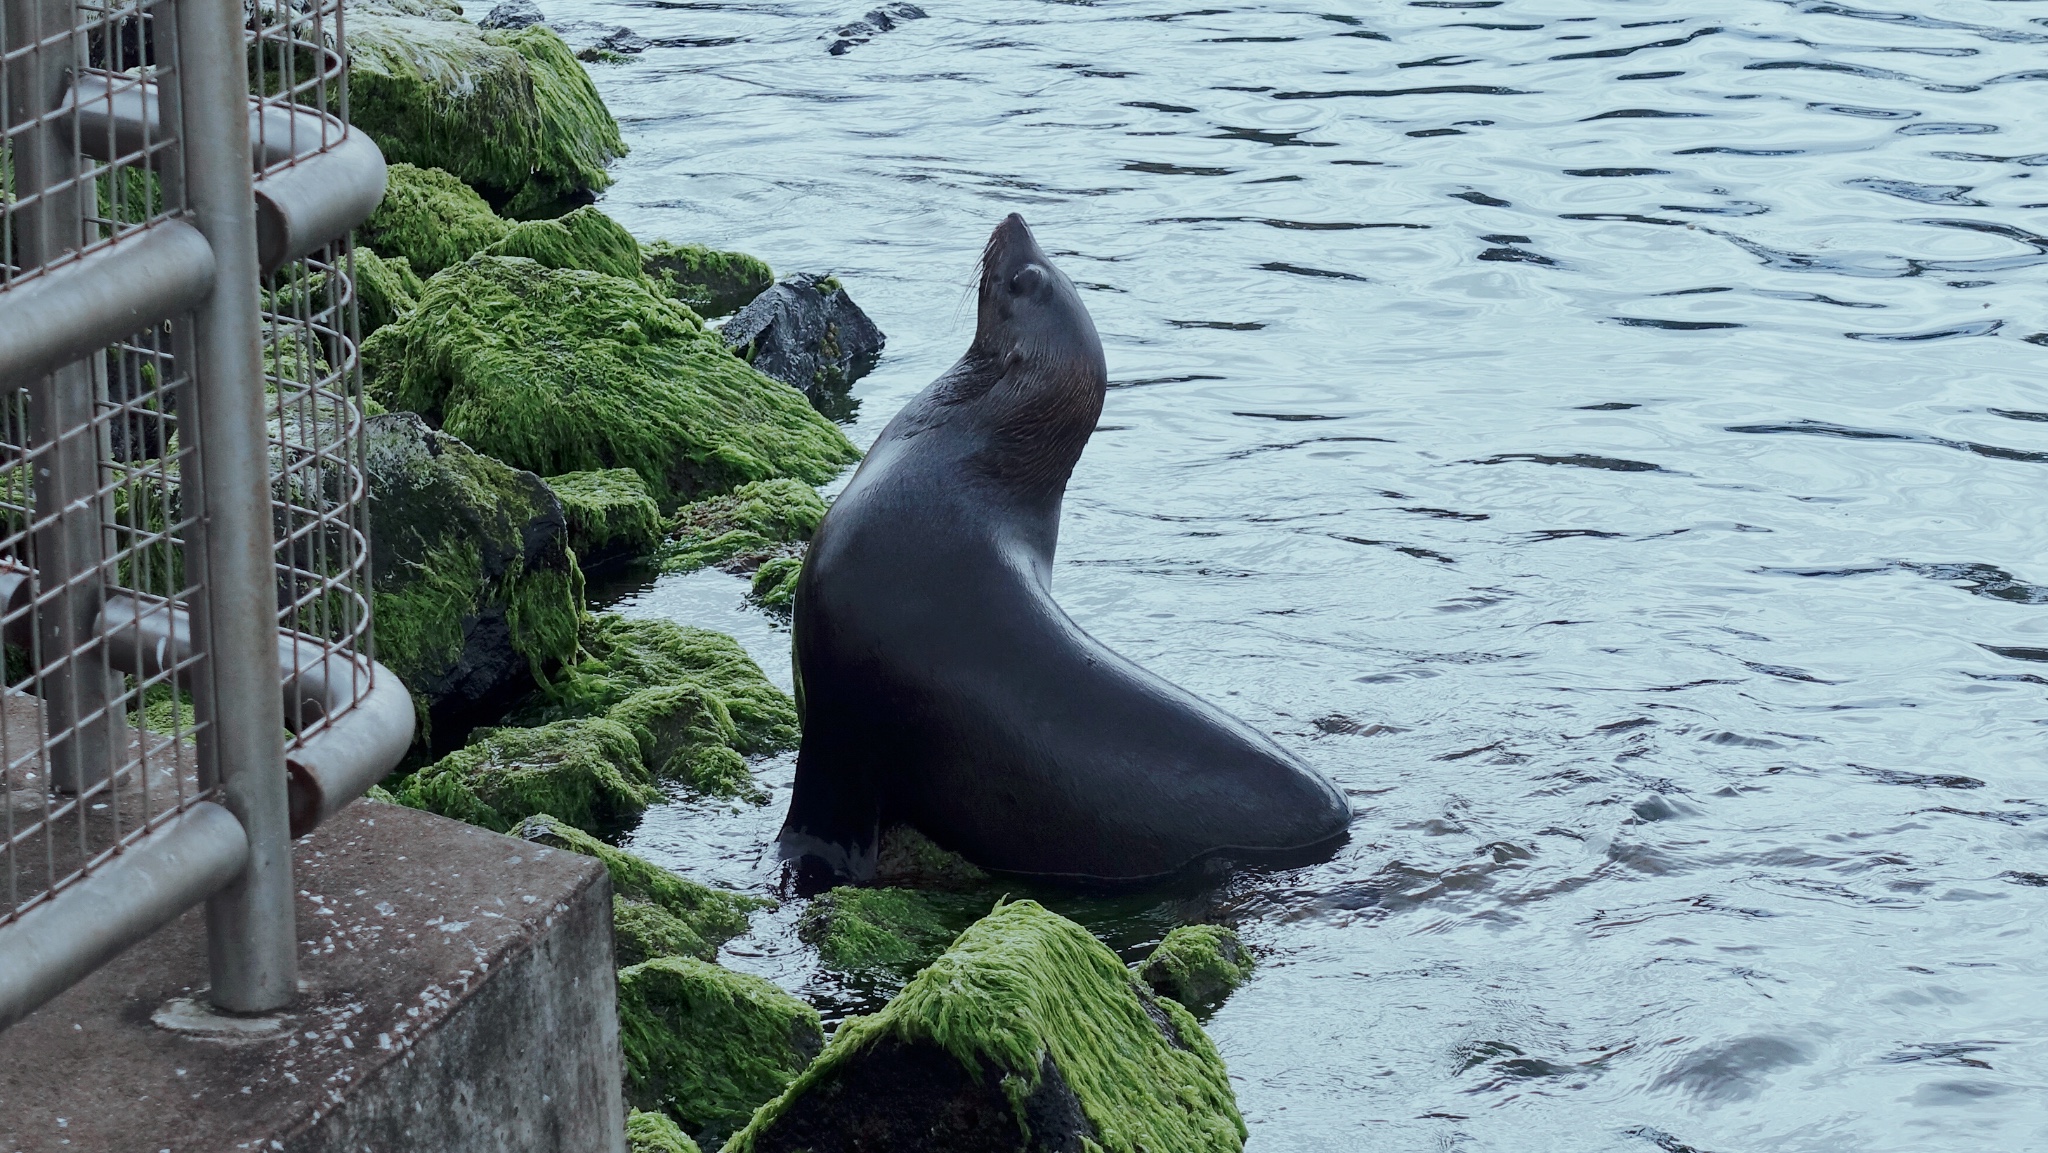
{"points": [[567, 370], [909, 859], [510, 112], [655, 1133], [744, 528], [386, 289], [431, 219], [585, 238], [666, 915], [774, 587], [611, 514], [625, 657], [1197, 965], [707, 1045], [688, 736], [586, 772], [1027, 1034], [884, 932], [712, 283], [472, 579]]}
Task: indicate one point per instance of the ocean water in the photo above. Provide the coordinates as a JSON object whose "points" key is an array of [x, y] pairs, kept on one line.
{"points": [[1607, 437]]}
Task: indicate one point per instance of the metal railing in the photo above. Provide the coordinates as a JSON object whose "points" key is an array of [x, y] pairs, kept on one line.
{"points": [[183, 555]]}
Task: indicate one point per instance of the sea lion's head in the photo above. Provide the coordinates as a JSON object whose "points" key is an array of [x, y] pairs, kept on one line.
{"points": [[1031, 320]]}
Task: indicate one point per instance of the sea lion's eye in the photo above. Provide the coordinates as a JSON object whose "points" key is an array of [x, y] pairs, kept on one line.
{"points": [[1026, 280]]}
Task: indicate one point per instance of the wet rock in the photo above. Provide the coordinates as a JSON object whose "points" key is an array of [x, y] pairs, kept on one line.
{"points": [[745, 528], [1027, 1034], [606, 42], [655, 1133], [655, 913], [1197, 965], [511, 15], [707, 1045], [876, 22], [509, 111], [586, 772], [711, 282], [909, 859], [564, 370], [805, 331], [611, 515], [431, 220], [474, 586], [884, 932]]}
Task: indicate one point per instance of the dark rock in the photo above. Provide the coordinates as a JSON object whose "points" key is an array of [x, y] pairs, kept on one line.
{"points": [[806, 332], [512, 14], [473, 582], [876, 22]]}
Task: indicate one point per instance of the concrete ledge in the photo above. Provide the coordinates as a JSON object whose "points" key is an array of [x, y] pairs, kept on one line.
{"points": [[458, 995]]}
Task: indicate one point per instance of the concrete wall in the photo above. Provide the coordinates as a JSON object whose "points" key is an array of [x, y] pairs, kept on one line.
{"points": [[457, 995]]}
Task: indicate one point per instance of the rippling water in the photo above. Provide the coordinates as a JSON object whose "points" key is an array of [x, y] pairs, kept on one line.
{"points": [[1605, 437]]}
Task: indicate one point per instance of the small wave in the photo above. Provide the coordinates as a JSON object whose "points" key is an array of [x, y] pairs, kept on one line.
{"points": [[1575, 460]]}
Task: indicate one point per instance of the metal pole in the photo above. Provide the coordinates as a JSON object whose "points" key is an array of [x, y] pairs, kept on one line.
{"points": [[251, 937], [68, 545]]}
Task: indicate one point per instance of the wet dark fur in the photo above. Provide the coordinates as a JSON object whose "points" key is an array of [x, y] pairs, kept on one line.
{"points": [[942, 687]]}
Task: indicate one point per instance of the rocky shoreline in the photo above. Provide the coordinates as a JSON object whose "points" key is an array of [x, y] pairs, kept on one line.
{"points": [[545, 398]]}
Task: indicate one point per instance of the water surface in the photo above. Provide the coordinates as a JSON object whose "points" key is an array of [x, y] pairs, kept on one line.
{"points": [[1607, 438]]}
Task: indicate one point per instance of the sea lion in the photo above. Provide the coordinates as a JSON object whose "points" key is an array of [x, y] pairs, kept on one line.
{"points": [[940, 685]]}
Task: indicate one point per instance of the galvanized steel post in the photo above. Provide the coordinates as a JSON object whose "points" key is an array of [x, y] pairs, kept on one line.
{"points": [[252, 940]]}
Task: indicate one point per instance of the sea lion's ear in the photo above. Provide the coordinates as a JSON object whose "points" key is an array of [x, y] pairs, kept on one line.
{"points": [[1027, 280]]}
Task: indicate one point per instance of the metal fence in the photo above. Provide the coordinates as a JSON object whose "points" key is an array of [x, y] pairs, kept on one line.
{"points": [[183, 553]]}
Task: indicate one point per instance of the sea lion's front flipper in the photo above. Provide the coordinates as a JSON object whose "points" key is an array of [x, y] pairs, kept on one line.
{"points": [[833, 831]]}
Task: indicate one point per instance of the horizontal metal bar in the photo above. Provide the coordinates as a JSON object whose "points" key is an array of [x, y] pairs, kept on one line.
{"points": [[147, 885], [333, 179], [352, 740], [77, 309]]}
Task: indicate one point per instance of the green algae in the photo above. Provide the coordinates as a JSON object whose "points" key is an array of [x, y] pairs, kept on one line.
{"points": [[567, 370], [585, 238], [655, 1133], [910, 859], [1197, 965], [641, 932], [585, 772], [774, 587], [430, 219], [883, 932], [459, 542], [708, 1045], [711, 282], [1023, 985], [511, 113], [748, 526], [687, 735], [386, 288], [610, 513], [627, 656], [709, 916]]}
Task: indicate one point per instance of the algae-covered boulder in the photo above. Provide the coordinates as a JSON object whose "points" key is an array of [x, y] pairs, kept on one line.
{"points": [[687, 736], [745, 528], [431, 219], [1028, 1034], [567, 370], [651, 1132], [585, 238], [611, 514], [1197, 965], [909, 859], [386, 289], [510, 112], [586, 772], [472, 579], [774, 587], [655, 913], [808, 332], [707, 1045], [883, 932], [625, 657], [711, 282]]}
